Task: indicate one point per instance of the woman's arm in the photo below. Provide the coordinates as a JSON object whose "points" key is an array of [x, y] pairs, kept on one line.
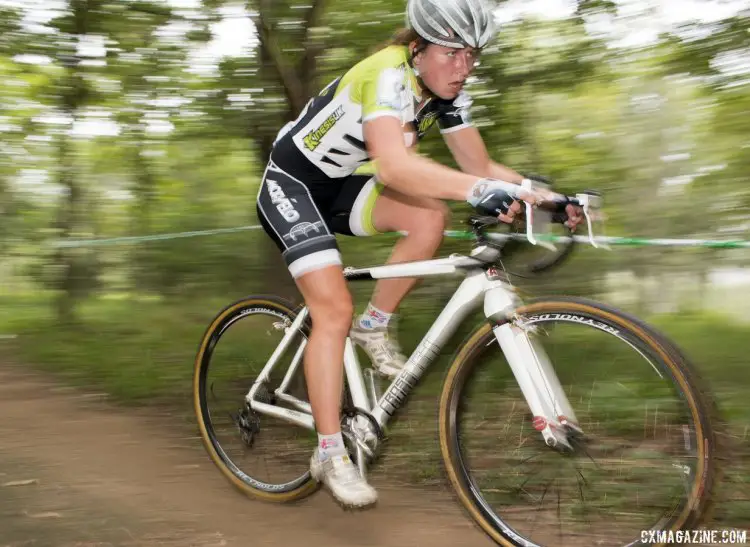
{"points": [[470, 152], [411, 173]]}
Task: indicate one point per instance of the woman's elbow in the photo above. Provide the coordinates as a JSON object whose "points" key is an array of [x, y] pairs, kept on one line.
{"points": [[385, 173]]}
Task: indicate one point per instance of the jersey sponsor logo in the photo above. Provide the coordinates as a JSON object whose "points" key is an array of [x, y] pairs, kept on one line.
{"points": [[465, 115], [462, 105], [302, 229], [463, 100], [391, 90], [426, 122], [313, 138], [462, 113], [282, 203]]}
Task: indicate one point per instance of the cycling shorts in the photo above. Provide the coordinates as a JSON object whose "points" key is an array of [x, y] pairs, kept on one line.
{"points": [[302, 217]]}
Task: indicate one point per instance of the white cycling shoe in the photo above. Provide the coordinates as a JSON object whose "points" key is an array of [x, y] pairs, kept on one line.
{"points": [[382, 350], [342, 478]]}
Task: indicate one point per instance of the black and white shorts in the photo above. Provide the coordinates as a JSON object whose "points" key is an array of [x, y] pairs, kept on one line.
{"points": [[302, 218]]}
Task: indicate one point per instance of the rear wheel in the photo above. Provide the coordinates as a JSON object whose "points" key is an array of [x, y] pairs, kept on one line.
{"points": [[648, 458], [263, 456]]}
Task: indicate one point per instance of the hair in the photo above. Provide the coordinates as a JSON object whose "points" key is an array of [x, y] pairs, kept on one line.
{"points": [[404, 37]]}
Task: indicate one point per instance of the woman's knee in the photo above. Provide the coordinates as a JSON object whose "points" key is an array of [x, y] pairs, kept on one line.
{"points": [[430, 220], [445, 214], [328, 298], [334, 314]]}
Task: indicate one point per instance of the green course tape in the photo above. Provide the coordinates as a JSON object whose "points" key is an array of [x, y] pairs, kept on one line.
{"points": [[457, 234]]}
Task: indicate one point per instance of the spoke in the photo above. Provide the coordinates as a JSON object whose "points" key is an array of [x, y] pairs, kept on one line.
{"points": [[541, 500], [559, 513], [527, 459], [583, 498], [578, 471], [529, 476]]}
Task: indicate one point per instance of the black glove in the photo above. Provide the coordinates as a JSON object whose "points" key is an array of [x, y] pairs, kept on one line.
{"points": [[493, 197]]}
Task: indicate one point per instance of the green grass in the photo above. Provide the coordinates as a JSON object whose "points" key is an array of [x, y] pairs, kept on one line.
{"points": [[135, 350], [141, 351]]}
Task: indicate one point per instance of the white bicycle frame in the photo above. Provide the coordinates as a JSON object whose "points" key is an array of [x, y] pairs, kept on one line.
{"points": [[482, 285]]}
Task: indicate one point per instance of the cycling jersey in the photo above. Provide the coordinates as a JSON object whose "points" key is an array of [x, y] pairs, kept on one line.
{"points": [[327, 136], [312, 186]]}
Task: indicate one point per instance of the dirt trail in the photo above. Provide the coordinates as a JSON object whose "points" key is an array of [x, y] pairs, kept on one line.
{"points": [[75, 471]]}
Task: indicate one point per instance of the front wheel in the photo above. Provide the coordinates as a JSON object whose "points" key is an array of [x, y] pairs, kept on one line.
{"points": [[647, 462]]}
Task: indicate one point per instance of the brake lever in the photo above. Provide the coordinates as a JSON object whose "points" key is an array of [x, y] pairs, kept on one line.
{"points": [[528, 184], [591, 203]]}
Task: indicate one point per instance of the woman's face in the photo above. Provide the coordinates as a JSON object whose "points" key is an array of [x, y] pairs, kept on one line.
{"points": [[444, 70]]}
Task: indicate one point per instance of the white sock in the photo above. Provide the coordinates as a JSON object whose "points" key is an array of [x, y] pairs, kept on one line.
{"points": [[330, 445], [374, 318]]}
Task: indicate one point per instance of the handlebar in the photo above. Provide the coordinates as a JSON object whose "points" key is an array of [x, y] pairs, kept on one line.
{"points": [[553, 206]]}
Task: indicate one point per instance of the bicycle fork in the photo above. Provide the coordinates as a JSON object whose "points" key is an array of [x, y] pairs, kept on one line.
{"points": [[552, 414]]}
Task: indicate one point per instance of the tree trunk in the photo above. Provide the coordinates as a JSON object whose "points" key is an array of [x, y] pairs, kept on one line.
{"points": [[298, 82], [72, 97], [142, 216], [65, 259]]}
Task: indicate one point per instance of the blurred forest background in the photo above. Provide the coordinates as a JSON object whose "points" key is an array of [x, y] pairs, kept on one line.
{"points": [[122, 118], [134, 118]]}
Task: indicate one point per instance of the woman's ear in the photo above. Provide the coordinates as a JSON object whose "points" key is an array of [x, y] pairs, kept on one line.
{"points": [[415, 48]]}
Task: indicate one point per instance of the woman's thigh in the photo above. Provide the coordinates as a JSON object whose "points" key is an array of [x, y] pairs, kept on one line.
{"points": [[366, 207], [291, 216]]}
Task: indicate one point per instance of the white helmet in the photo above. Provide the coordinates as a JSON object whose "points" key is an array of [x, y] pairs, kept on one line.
{"points": [[452, 23]]}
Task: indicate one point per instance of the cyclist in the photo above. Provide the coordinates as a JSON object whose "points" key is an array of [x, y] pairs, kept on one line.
{"points": [[376, 112]]}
